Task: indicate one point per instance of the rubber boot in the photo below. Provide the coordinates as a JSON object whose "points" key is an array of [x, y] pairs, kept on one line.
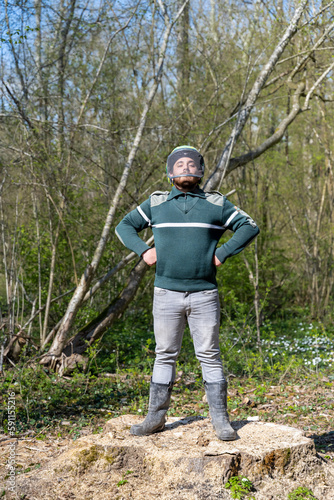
{"points": [[216, 394], [157, 408]]}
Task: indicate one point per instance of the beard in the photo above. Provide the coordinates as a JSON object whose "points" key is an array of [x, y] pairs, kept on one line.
{"points": [[187, 182]]}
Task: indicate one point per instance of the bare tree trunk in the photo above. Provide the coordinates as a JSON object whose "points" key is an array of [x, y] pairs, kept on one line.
{"points": [[315, 296], [11, 272], [213, 22], [51, 279], [3, 239], [12, 286], [35, 214], [64, 31], [2, 349], [183, 60], [4, 250], [257, 302]]}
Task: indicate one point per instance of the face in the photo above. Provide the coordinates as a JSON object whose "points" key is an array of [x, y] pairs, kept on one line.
{"points": [[185, 167]]}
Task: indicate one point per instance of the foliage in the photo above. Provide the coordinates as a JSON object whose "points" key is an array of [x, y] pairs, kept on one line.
{"points": [[240, 487], [301, 493]]}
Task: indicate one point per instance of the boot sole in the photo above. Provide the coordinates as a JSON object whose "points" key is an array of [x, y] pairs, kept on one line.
{"points": [[159, 429], [227, 438]]}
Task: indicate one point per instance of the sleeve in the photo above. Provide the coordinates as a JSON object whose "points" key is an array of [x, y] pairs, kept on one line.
{"points": [[134, 222], [244, 228]]}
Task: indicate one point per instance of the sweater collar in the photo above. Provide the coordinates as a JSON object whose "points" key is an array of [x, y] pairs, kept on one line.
{"points": [[198, 192]]}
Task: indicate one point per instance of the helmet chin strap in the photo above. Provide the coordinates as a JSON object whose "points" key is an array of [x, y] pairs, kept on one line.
{"points": [[186, 175]]}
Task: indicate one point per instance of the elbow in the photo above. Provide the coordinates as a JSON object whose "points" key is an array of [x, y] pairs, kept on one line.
{"points": [[253, 228]]}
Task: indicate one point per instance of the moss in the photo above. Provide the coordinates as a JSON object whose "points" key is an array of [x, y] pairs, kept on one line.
{"points": [[88, 456]]}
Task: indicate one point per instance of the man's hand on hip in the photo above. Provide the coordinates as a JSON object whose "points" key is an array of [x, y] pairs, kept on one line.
{"points": [[216, 261], [150, 256]]}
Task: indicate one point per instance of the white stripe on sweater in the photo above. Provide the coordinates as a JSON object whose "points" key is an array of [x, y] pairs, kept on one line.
{"points": [[142, 213], [188, 224]]}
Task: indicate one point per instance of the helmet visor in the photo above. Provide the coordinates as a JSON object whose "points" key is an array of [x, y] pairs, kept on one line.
{"points": [[185, 163]]}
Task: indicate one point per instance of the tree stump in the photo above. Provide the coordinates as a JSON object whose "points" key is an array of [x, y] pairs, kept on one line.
{"points": [[185, 461]]}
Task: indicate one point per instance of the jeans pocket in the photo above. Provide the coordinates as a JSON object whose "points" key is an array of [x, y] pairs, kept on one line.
{"points": [[210, 292], [159, 291]]}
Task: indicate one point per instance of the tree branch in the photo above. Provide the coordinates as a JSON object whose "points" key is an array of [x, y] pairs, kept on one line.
{"points": [[274, 138], [304, 60], [317, 83]]}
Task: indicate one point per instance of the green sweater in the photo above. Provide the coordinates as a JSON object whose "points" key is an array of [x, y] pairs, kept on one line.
{"points": [[187, 228]]}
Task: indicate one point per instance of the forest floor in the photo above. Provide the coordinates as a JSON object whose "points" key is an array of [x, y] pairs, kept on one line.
{"points": [[306, 404]]}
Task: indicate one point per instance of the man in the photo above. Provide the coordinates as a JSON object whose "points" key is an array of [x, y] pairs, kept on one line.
{"points": [[187, 225]]}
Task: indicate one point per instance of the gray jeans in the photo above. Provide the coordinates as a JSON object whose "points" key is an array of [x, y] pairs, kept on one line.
{"points": [[171, 310]]}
